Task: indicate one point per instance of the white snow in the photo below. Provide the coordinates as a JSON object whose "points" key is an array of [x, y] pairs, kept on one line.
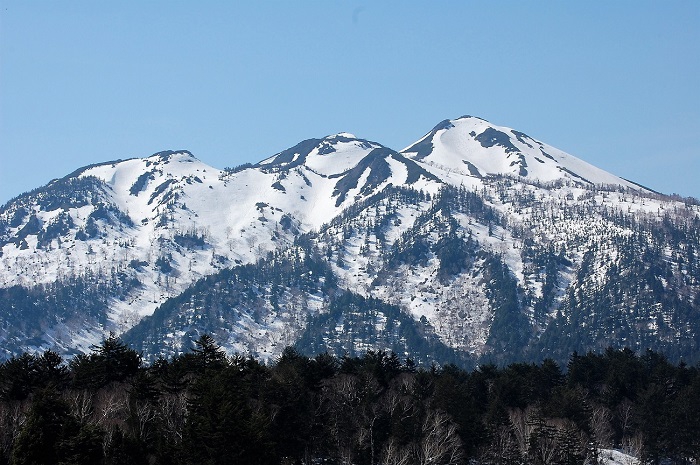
{"points": [[615, 457], [455, 145], [346, 156], [238, 215]]}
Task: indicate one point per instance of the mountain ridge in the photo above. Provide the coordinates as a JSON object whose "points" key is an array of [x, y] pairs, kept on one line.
{"points": [[476, 232]]}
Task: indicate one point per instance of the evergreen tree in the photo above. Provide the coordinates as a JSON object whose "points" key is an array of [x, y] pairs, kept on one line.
{"points": [[111, 361], [48, 425], [207, 354]]}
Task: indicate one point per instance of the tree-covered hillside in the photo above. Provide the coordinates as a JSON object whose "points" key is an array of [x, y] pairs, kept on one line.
{"points": [[204, 407]]}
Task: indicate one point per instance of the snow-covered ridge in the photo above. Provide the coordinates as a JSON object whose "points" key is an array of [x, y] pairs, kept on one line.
{"points": [[476, 148], [169, 219], [329, 156], [162, 222]]}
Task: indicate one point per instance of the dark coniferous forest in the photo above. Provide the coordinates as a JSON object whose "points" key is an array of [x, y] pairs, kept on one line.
{"points": [[204, 407]]}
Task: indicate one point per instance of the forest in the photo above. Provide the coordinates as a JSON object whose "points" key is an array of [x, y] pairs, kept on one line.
{"points": [[206, 407]]}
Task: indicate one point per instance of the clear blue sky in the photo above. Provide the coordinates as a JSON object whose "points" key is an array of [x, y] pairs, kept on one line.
{"points": [[615, 83]]}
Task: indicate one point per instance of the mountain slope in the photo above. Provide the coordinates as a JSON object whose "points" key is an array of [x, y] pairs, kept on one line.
{"points": [[476, 148], [479, 241]]}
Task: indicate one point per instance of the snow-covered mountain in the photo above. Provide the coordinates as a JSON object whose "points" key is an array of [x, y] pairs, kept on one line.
{"points": [[476, 241], [475, 148]]}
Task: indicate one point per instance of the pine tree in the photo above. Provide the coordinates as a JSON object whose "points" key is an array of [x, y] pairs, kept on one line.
{"points": [[111, 361], [208, 354], [48, 423]]}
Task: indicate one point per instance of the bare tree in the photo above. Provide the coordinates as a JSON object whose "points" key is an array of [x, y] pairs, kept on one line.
{"points": [[111, 407], [440, 443], [601, 418], [397, 399], [81, 403], [144, 414], [13, 415], [172, 409], [503, 449], [110, 411], [397, 454], [522, 428], [633, 447], [544, 440], [625, 414], [341, 398]]}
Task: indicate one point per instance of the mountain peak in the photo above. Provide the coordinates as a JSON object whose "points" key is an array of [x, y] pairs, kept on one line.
{"points": [[168, 155], [475, 147], [429, 229], [346, 149], [341, 135]]}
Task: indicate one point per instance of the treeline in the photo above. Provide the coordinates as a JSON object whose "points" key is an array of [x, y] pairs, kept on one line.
{"points": [[204, 407]]}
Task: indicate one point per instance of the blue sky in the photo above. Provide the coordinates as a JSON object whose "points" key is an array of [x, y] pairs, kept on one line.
{"points": [[614, 83]]}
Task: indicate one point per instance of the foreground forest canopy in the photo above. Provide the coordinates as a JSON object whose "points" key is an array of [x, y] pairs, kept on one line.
{"points": [[204, 407]]}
